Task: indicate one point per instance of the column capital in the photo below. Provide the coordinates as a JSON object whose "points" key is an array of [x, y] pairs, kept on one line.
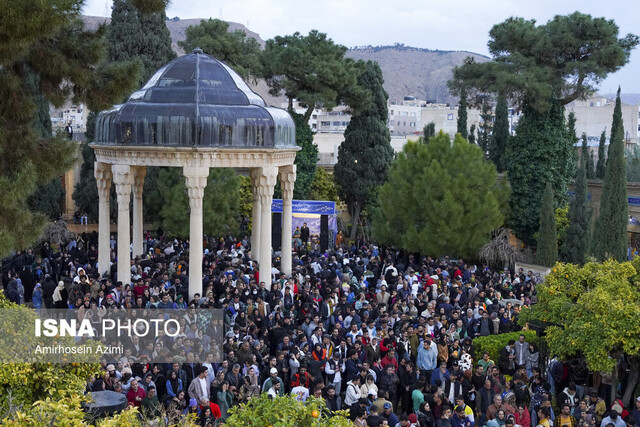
{"points": [[196, 181], [123, 178], [287, 181], [102, 173], [139, 173], [266, 181]]}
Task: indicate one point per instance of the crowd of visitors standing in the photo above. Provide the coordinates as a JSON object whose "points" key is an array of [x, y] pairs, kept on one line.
{"points": [[384, 334]]}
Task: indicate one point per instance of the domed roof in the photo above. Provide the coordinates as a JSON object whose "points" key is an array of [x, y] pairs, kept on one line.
{"points": [[196, 100]]}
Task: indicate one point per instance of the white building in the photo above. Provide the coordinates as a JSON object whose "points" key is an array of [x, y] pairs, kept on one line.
{"points": [[76, 115]]}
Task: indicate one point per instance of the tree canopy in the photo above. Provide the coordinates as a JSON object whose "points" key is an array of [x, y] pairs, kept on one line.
{"points": [[610, 234], [45, 41], [136, 36], [286, 411], [602, 155], [500, 135], [547, 249], [366, 153], [541, 68], [462, 114], [306, 159], [323, 186], [564, 59], [593, 310], [541, 151], [220, 205], [440, 198], [576, 240], [240, 51], [311, 69]]}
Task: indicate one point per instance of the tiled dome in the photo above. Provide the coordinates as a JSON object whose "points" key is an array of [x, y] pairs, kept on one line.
{"points": [[198, 101]]}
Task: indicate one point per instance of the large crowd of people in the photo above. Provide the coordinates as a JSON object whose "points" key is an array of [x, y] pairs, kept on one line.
{"points": [[384, 334]]}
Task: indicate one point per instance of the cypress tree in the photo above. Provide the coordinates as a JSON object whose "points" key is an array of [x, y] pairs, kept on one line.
{"points": [[547, 248], [462, 114], [136, 36], [584, 152], [366, 153], [484, 131], [571, 126], [306, 159], [133, 35], [540, 152], [591, 170], [429, 131], [500, 133], [611, 225], [472, 134], [601, 156], [576, 240]]}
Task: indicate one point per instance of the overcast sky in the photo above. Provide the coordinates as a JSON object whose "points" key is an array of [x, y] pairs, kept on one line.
{"points": [[444, 25]]}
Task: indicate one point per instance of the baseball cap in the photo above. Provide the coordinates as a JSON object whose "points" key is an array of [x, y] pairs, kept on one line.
{"points": [[387, 405], [373, 393], [273, 371]]}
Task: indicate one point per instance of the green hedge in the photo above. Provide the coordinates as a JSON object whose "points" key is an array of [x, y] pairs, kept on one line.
{"points": [[494, 343]]}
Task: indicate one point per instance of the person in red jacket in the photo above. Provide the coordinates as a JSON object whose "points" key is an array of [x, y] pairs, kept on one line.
{"points": [[390, 359], [301, 378], [135, 394]]}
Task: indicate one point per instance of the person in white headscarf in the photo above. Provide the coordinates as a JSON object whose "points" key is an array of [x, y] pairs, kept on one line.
{"points": [[60, 296]]}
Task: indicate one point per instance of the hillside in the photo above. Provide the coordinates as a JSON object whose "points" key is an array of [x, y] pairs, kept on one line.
{"points": [[422, 73]]}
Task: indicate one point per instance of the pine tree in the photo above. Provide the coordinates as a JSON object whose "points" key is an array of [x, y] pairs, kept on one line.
{"points": [[45, 46], [366, 153], [547, 248], [611, 225], [48, 197], [500, 135], [576, 240], [236, 47], [439, 203], [602, 158], [484, 132], [429, 131], [462, 114], [472, 134]]}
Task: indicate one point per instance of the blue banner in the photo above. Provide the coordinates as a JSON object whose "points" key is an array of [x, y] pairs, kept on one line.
{"points": [[318, 207]]}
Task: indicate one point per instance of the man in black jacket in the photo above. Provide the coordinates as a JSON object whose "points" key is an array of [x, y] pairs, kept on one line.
{"points": [[304, 235], [334, 403]]}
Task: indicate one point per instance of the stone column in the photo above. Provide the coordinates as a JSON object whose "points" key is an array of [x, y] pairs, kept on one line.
{"points": [[123, 178], [255, 218], [196, 180], [266, 183], [138, 184], [102, 172], [287, 181]]}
